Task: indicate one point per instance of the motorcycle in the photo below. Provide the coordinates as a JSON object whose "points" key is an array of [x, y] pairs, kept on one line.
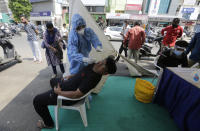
{"points": [[7, 33], [15, 30], [11, 56], [151, 49]]}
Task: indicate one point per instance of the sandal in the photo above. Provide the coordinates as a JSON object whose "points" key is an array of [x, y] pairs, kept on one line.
{"points": [[41, 125]]}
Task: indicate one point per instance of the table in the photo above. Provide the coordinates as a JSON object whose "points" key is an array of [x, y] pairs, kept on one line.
{"points": [[185, 73], [181, 96]]}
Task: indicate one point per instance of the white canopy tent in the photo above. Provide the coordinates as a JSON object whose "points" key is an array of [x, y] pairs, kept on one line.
{"points": [[77, 7]]}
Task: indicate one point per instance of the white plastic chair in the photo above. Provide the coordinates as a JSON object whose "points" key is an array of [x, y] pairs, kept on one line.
{"points": [[195, 65], [79, 106]]}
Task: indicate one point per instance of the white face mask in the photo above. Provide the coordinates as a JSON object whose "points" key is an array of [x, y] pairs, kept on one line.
{"points": [[81, 32]]}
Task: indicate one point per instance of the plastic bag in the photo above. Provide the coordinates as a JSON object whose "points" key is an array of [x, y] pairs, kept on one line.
{"points": [[144, 90]]}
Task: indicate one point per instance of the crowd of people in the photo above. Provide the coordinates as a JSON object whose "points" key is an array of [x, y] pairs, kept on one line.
{"points": [[176, 51]]}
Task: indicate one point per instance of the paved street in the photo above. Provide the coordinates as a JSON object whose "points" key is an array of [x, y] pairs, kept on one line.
{"points": [[19, 84]]}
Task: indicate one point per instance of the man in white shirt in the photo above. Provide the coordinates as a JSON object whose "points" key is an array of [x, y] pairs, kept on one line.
{"points": [[125, 29], [64, 34], [64, 31]]}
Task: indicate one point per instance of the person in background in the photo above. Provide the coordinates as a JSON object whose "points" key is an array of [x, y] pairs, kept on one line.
{"points": [[80, 42], [194, 48], [64, 31], [54, 54], [75, 87], [173, 32], [123, 46], [100, 21], [32, 39], [174, 57], [136, 37], [197, 27]]}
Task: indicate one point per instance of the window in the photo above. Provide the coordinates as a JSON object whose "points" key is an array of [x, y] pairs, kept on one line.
{"points": [[147, 6], [164, 6], [99, 9], [95, 8], [119, 11], [116, 29], [187, 16]]}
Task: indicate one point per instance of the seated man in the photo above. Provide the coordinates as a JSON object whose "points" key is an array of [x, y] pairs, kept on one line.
{"points": [[174, 57], [75, 87]]}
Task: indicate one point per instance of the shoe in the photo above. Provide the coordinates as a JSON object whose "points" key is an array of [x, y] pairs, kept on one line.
{"points": [[54, 76], [34, 60], [41, 125], [64, 75], [39, 61]]}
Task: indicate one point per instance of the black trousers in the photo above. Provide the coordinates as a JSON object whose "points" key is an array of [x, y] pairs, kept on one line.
{"points": [[42, 101], [61, 68], [122, 48]]}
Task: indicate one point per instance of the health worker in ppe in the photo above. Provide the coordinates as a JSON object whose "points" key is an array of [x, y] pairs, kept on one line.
{"points": [[80, 42]]}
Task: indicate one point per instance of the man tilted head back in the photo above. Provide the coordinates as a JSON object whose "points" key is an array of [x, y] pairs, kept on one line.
{"points": [[75, 87]]}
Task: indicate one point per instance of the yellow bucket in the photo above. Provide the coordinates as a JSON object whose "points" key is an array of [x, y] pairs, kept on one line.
{"points": [[144, 90]]}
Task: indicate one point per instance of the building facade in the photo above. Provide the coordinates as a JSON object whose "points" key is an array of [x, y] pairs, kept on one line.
{"points": [[190, 10], [126, 10], [95, 7], [4, 12], [46, 10], [162, 12], [190, 13]]}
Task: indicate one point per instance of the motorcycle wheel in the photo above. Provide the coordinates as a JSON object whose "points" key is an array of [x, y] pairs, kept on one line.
{"points": [[18, 57]]}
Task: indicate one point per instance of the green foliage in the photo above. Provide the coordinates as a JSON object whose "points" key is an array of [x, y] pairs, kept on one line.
{"points": [[19, 8], [108, 6]]}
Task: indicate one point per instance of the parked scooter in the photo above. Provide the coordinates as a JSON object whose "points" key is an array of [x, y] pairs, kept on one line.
{"points": [[151, 49], [15, 30], [7, 33], [10, 55]]}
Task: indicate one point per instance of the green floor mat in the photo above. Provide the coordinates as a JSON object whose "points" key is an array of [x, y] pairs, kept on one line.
{"points": [[116, 109]]}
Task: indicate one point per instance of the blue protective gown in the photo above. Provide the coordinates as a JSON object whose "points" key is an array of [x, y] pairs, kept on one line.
{"points": [[79, 46]]}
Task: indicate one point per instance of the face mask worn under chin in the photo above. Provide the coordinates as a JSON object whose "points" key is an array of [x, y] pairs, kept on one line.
{"points": [[81, 32], [177, 53]]}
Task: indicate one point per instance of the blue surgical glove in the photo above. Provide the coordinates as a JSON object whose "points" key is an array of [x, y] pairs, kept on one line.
{"points": [[99, 49], [89, 60]]}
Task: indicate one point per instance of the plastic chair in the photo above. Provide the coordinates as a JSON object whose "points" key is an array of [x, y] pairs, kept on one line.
{"points": [[79, 106], [196, 65]]}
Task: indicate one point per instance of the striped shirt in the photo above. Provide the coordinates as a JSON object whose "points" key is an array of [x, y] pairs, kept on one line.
{"points": [[30, 30]]}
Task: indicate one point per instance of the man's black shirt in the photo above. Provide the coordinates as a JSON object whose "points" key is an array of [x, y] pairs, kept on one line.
{"points": [[85, 80]]}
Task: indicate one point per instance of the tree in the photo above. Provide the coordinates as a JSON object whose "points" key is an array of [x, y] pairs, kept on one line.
{"points": [[19, 8]]}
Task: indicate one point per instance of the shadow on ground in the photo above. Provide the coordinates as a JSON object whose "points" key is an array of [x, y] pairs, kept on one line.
{"points": [[19, 114], [28, 59], [122, 70]]}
